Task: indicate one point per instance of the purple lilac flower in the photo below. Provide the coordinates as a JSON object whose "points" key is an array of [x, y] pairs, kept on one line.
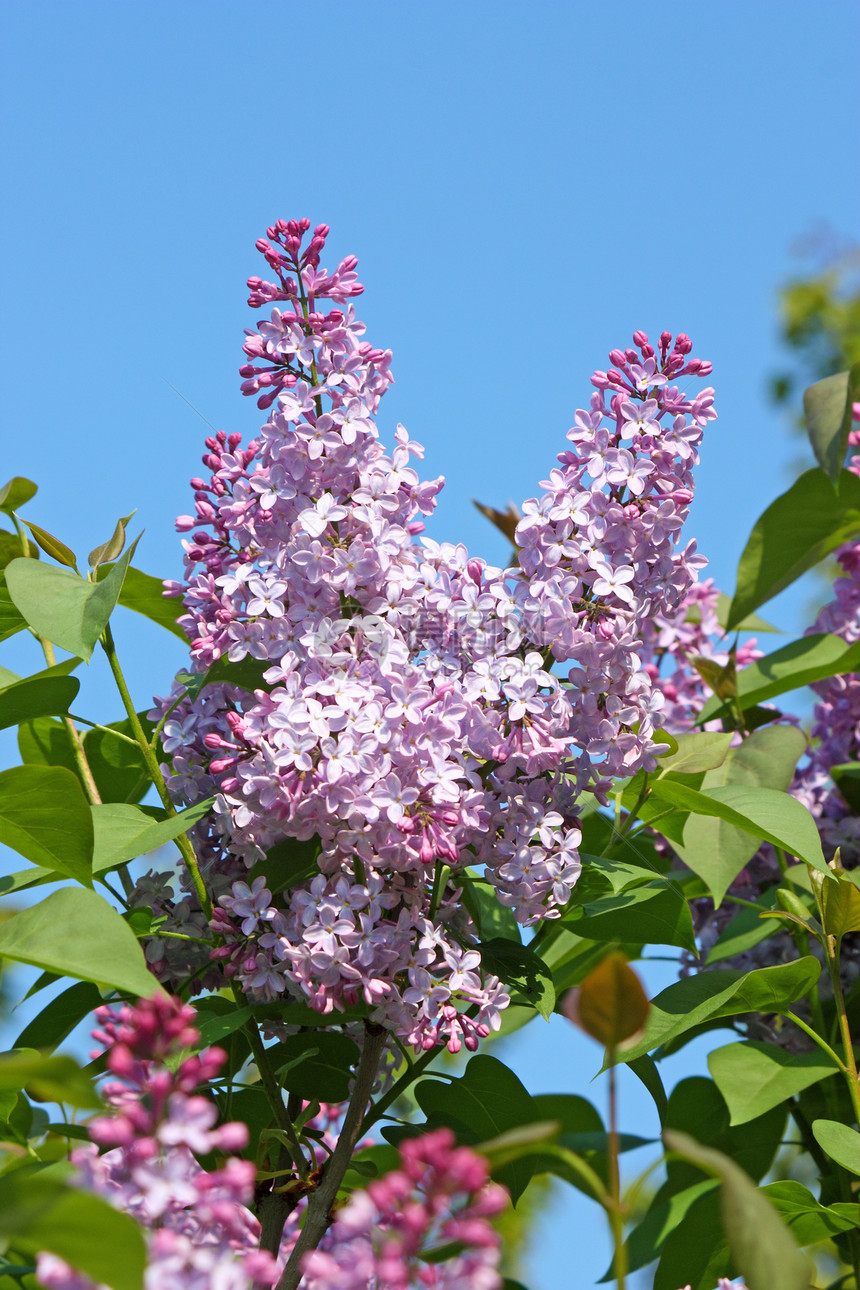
{"points": [[200, 1232], [412, 717]]}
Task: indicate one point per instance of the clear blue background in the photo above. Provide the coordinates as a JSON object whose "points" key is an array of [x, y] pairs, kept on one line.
{"points": [[524, 185]]}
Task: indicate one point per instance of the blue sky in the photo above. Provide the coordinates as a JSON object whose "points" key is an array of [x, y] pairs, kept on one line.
{"points": [[524, 186]]}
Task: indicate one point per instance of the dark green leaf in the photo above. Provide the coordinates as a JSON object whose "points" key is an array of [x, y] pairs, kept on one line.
{"points": [[76, 933], [723, 993], [41, 1213], [36, 697], [118, 767], [123, 832], [490, 918], [62, 606], [762, 1247], [16, 493], [646, 1241], [11, 621], [646, 1069], [745, 930], [801, 662], [484, 1103], [753, 1077], [289, 863], [45, 817], [828, 408], [696, 1253], [55, 1022], [316, 1066], [520, 968], [11, 548], [214, 1028], [796, 531]]}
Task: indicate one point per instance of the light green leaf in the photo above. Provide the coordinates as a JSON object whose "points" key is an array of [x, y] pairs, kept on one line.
{"points": [[45, 817], [704, 750], [764, 813], [655, 913], [841, 1143], [762, 1247], [809, 1220], [801, 662], [47, 1079], [828, 408], [753, 1077], [745, 930], [16, 493], [62, 606], [722, 993], [124, 832], [42, 1213], [796, 531], [716, 849], [76, 933]]}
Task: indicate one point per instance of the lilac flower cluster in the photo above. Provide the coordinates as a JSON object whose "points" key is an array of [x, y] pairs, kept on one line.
{"points": [[440, 1196], [200, 1231], [410, 719]]}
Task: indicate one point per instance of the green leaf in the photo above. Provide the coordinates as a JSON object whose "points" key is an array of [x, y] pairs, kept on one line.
{"points": [[316, 1066], [841, 1143], [716, 849], [109, 550], [519, 967], [696, 1253], [47, 1079], [11, 548], [762, 1247], [697, 1106], [76, 933], [42, 1213], [809, 1220], [795, 532], [484, 1103], [16, 493], [24, 879], [645, 1068], [214, 1028], [764, 813], [145, 595], [655, 913], [482, 902], [36, 697], [52, 546], [828, 408], [45, 817], [753, 1077], [292, 862], [55, 1022], [745, 930], [840, 901], [123, 832], [646, 1241], [11, 621], [723, 993], [751, 624], [704, 750], [801, 662], [64, 607]]}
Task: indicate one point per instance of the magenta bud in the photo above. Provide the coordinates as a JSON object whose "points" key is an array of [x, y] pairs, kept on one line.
{"points": [[640, 338], [263, 246], [616, 356]]}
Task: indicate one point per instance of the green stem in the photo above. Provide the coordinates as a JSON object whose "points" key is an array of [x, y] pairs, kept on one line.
{"points": [[614, 1206], [816, 1038], [183, 842], [273, 1092], [318, 1214], [844, 1029]]}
